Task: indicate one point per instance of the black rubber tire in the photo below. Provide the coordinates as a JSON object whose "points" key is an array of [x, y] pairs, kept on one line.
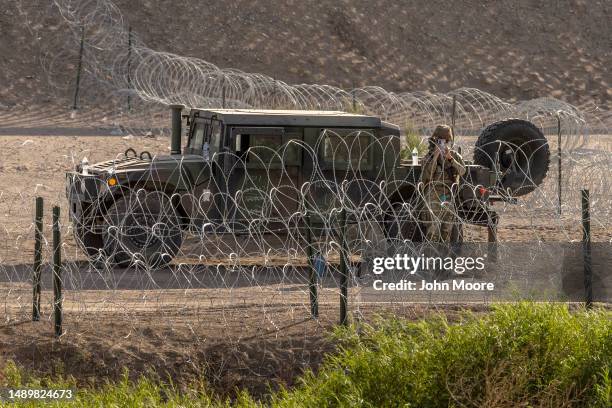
{"points": [[401, 225], [142, 226], [519, 150], [91, 242], [457, 233]]}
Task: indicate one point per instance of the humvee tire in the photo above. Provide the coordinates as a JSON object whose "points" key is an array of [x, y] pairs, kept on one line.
{"points": [[90, 241], [403, 225], [406, 227], [143, 227], [519, 150]]}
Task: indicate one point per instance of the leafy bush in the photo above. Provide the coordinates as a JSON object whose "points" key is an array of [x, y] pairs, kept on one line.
{"points": [[354, 107], [529, 355], [412, 139], [146, 392]]}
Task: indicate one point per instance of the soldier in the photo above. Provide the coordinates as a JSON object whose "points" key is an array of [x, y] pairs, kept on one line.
{"points": [[442, 167]]}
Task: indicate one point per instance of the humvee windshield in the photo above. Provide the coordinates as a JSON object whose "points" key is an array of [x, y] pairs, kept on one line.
{"points": [[205, 138], [197, 137]]}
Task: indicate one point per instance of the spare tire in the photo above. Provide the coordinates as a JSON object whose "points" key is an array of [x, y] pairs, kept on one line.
{"points": [[518, 150]]}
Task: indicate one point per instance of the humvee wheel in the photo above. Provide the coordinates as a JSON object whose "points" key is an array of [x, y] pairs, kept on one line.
{"points": [[142, 229], [90, 241], [518, 150], [365, 236], [402, 224]]}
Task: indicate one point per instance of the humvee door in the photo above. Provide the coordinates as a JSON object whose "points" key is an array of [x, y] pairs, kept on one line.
{"points": [[265, 167]]}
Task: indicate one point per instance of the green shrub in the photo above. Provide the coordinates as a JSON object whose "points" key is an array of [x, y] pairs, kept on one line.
{"points": [[145, 392], [527, 355], [412, 139], [354, 107]]}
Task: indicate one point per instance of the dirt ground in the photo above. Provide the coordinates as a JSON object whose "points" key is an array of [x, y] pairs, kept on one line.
{"points": [[515, 50]]}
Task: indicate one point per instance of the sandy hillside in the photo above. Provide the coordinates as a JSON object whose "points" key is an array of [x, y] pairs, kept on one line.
{"points": [[513, 49]]}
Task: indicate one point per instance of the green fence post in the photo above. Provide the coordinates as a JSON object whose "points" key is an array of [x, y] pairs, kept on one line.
{"points": [[454, 114], [223, 94], [314, 296], [129, 68], [559, 181], [586, 249], [38, 225], [79, 67], [57, 273], [344, 269]]}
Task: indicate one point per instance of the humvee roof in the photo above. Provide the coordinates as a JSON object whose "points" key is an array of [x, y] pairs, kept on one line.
{"points": [[302, 118]]}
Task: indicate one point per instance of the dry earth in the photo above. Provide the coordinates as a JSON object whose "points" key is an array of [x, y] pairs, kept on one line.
{"points": [[512, 49], [232, 347]]}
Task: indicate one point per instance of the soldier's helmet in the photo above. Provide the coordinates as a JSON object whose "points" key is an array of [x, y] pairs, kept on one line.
{"points": [[443, 132]]}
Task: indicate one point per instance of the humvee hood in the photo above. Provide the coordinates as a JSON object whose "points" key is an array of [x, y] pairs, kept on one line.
{"points": [[129, 164]]}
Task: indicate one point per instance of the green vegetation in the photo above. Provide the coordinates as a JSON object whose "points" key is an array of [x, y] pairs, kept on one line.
{"points": [[412, 140], [351, 106], [531, 355], [146, 392], [525, 354]]}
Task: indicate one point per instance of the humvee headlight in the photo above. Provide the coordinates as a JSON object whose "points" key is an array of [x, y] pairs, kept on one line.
{"points": [[112, 182]]}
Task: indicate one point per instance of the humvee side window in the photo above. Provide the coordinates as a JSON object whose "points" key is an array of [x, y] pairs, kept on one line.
{"points": [[264, 146], [347, 148], [272, 149], [263, 149]]}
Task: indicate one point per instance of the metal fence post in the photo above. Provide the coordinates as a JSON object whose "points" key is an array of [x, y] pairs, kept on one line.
{"points": [[223, 95], [492, 239], [314, 296], [344, 269], [275, 87], [38, 225], [57, 273], [129, 68], [586, 249], [79, 67], [453, 114], [559, 157]]}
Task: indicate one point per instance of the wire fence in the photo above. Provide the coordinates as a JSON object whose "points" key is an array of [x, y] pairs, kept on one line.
{"points": [[272, 230]]}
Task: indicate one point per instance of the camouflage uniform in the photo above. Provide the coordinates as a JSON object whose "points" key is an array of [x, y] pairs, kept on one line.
{"points": [[438, 176]]}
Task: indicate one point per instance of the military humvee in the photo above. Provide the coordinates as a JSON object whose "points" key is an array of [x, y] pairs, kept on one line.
{"points": [[242, 165]]}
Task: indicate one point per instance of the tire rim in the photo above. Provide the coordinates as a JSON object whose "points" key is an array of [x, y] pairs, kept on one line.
{"points": [[513, 157], [140, 232]]}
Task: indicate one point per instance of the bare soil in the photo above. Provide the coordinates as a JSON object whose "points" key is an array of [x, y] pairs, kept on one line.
{"points": [[517, 50]]}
